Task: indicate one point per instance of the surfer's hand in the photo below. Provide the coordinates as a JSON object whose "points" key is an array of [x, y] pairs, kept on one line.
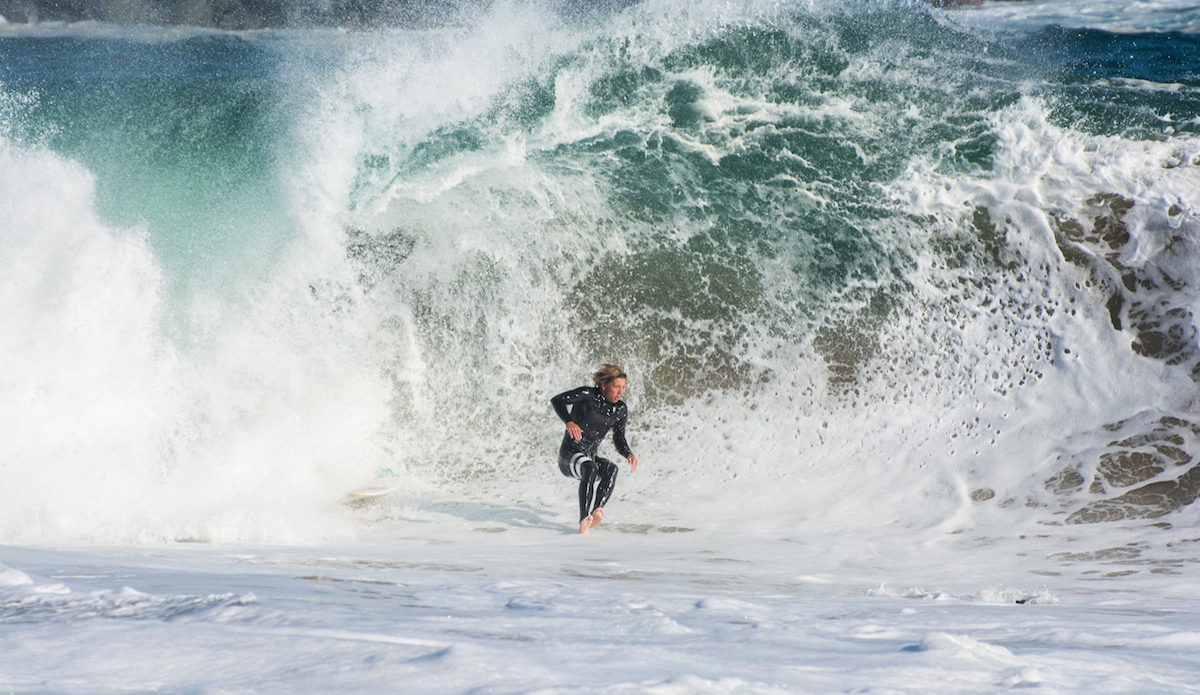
{"points": [[632, 464], [574, 431]]}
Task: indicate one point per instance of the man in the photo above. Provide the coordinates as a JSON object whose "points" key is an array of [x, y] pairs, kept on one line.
{"points": [[592, 413]]}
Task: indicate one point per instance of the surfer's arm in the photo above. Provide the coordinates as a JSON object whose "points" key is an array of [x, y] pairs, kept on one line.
{"points": [[560, 403], [621, 444], [566, 398]]}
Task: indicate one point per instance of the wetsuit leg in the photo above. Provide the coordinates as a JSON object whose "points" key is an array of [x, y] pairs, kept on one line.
{"points": [[607, 473], [587, 486], [569, 459], [597, 478], [578, 465]]}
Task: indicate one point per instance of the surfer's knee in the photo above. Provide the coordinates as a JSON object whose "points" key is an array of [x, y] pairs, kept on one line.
{"points": [[576, 466], [587, 470], [607, 469]]}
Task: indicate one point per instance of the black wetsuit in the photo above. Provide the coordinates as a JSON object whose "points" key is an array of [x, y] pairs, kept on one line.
{"points": [[577, 458]]}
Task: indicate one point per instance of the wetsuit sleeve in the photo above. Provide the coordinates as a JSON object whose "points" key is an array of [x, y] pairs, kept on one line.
{"points": [[618, 434], [562, 400]]}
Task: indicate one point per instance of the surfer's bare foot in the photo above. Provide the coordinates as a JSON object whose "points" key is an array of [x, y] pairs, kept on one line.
{"points": [[597, 516], [585, 523]]}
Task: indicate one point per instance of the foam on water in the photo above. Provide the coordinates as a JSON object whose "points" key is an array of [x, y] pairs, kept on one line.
{"points": [[118, 433], [679, 614]]}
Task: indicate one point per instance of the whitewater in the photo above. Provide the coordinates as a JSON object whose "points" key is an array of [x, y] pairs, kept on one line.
{"points": [[907, 297]]}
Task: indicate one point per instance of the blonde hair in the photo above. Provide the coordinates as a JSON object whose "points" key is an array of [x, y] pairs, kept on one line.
{"points": [[607, 373]]}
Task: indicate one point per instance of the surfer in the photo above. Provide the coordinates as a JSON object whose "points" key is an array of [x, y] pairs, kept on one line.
{"points": [[592, 413]]}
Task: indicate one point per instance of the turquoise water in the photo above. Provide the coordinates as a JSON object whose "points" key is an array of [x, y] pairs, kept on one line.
{"points": [[181, 136]]}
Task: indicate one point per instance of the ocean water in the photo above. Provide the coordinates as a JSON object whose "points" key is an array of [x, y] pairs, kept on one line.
{"points": [[907, 297]]}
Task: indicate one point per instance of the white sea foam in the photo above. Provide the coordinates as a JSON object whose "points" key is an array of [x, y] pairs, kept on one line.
{"points": [[118, 435]]}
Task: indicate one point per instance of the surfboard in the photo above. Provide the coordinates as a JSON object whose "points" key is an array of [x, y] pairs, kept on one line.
{"points": [[369, 494]]}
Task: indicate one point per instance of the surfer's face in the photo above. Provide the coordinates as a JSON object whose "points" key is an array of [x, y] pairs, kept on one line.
{"points": [[613, 390]]}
